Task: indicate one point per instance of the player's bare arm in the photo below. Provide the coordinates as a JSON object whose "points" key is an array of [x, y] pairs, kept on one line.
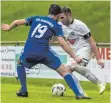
{"points": [[15, 23], [68, 49], [66, 41], [95, 51], [52, 40]]}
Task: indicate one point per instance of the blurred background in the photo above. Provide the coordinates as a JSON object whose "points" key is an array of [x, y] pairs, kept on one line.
{"points": [[96, 14]]}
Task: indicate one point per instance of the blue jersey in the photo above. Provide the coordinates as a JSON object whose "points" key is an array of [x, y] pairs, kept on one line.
{"points": [[41, 31]]}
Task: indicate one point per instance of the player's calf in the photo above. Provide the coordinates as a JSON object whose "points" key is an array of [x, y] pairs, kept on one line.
{"points": [[71, 80]]}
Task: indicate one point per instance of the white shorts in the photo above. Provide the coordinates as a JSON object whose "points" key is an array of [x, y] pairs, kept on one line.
{"points": [[84, 53]]}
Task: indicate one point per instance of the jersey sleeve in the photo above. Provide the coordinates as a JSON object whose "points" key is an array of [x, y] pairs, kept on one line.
{"points": [[84, 31], [29, 20], [59, 31]]}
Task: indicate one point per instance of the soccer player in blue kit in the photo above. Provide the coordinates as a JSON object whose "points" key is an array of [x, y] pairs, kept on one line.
{"points": [[37, 49]]}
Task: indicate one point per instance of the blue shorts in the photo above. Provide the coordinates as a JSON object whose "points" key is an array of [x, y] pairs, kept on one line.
{"points": [[48, 58]]}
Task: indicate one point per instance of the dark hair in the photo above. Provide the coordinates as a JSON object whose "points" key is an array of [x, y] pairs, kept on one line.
{"points": [[54, 9], [66, 9]]}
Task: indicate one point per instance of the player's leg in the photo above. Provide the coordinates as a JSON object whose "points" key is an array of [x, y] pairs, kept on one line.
{"points": [[84, 71], [54, 62], [22, 77], [72, 82], [89, 75], [81, 69], [22, 63]]}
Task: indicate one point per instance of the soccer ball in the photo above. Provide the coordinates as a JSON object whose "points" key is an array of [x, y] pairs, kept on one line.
{"points": [[58, 89]]}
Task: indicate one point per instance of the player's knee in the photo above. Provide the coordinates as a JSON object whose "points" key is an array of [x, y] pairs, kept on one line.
{"points": [[65, 71], [69, 68], [72, 67], [62, 70]]}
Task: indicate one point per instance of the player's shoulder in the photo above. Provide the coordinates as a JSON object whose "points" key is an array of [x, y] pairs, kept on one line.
{"points": [[54, 22], [50, 21], [58, 26], [79, 23], [82, 27]]}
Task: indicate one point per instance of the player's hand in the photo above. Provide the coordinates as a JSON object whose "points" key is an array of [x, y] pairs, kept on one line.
{"points": [[5, 27], [78, 59], [101, 63]]}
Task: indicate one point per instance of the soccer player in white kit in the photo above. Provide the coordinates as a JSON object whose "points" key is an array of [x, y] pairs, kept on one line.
{"points": [[79, 37]]}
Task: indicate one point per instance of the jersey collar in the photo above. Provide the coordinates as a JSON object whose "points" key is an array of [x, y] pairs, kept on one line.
{"points": [[72, 21]]}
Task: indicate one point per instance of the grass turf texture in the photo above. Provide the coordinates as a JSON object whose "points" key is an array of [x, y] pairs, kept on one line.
{"points": [[40, 92], [96, 14]]}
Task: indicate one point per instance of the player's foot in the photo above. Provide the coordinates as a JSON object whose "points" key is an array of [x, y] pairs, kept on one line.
{"points": [[82, 97], [85, 94], [102, 87], [22, 94]]}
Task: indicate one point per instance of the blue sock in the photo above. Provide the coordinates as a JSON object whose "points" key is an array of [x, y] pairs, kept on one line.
{"points": [[22, 77], [78, 84], [72, 82]]}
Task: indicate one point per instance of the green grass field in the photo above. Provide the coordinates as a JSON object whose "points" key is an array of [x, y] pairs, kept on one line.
{"points": [[96, 14], [40, 92]]}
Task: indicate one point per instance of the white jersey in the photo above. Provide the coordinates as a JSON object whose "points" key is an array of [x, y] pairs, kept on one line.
{"points": [[75, 33]]}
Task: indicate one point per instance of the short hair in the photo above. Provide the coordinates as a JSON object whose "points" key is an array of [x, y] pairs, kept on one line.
{"points": [[66, 9], [54, 9]]}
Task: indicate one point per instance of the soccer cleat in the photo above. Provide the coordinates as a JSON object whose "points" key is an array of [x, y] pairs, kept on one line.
{"points": [[102, 87], [82, 97], [22, 94], [85, 94]]}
